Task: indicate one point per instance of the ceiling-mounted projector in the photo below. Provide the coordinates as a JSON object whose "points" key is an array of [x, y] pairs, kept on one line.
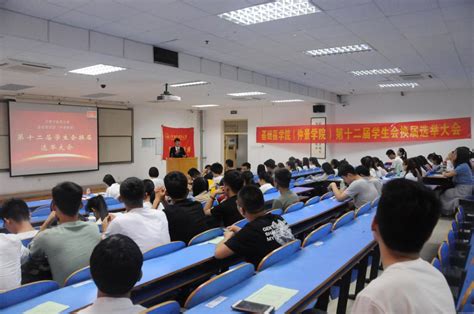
{"points": [[166, 96]]}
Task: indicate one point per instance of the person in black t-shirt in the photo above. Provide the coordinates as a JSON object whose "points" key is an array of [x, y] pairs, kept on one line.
{"points": [[185, 216], [261, 235], [226, 212]]}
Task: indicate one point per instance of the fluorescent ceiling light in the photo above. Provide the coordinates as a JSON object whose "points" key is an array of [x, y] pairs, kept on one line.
{"points": [[186, 84], [287, 100], [338, 50], [280, 9], [243, 94], [97, 69], [377, 72], [411, 84], [205, 106]]}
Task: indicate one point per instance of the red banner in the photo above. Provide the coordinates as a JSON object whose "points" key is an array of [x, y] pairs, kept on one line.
{"points": [[186, 135], [431, 130]]}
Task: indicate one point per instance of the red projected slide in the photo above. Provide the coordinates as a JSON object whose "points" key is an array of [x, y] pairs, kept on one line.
{"points": [[52, 138]]}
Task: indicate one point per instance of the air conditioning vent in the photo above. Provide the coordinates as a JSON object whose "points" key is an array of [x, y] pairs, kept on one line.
{"points": [[26, 66], [414, 77]]}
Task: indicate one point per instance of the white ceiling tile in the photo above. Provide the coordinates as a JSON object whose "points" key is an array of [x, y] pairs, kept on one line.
{"points": [[35, 8], [460, 26], [70, 4], [218, 6], [76, 18], [363, 12], [107, 9], [336, 4], [310, 21], [458, 12], [177, 11], [323, 33], [394, 7], [450, 3]]}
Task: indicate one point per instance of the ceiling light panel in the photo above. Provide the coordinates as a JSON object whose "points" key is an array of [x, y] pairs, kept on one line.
{"points": [[408, 84], [376, 72], [338, 50], [244, 94], [187, 84], [97, 69], [287, 100], [280, 9], [205, 106]]}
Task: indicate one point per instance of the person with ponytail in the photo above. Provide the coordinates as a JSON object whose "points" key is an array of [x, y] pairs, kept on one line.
{"points": [[402, 153]]}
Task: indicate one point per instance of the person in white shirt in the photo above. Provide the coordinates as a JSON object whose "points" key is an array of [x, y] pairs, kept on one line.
{"points": [[113, 189], [146, 226], [216, 169], [412, 170], [13, 255], [408, 284], [365, 174], [153, 173], [115, 266], [16, 218], [98, 208], [397, 162], [265, 180]]}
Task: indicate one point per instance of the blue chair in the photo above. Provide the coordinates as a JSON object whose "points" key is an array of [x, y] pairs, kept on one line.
{"points": [[344, 219], [443, 254], [327, 195], [375, 202], [277, 211], [363, 209], [219, 283], [279, 254], [317, 234], [80, 275], [292, 183], [467, 300], [271, 190], [331, 177], [169, 307], [312, 201], [44, 210], [436, 263], [164, 249], [25, 242], [111, 201], [294, 207], [241, 223], [206, 236], [300, 180], [26, 292]]}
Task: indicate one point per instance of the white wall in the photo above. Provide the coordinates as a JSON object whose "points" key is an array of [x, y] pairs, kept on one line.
{"points": [[147, 123], [393, 107]]}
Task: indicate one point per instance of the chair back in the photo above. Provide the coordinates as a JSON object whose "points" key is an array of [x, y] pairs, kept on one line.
{"points": [[241, 223], [206, 236], [44, 210], [80, 275], [270, 190], [25, 242], [169, 307], [219, 283], [300, 180], [443, 254], [279, 254], [331, 177], [467, 300], [164, 249], [436, 263], [317, 234], [26, 292], [327, 195], [294, 207], [344, 219], [292, 183], [451, 238], [111, 201], [363, 209], [312, 201], [277, 211], [375, 202]]}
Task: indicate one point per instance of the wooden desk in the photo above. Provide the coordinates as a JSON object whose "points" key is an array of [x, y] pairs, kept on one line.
{"points": [[181, 164]]}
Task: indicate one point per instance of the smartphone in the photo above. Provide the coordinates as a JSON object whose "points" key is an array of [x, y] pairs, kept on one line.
{"points": [[252, 307]]}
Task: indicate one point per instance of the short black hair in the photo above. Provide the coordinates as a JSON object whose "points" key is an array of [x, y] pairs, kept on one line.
{"points": [[200, 185], [109, 179], [229, 163], [153, 172], [270, 163], [248, 177], [362, 171], [149, 189], [335, 163], [177, 140], [407, 214], [98, 203], [291, 165], [283, 178], [217, 168], [207, 167], [345, 169], [132, 192], [267, 177], [233, 179], [194, 173], [247, 165], [176, 185], [251, 199], [260, 169], [390, 152], [116, 265], [281, 165], [67, 196], [15, 209], [463, 155], [328, 169]]}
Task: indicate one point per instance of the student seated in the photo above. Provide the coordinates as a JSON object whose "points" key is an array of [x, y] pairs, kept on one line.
{"points": [[200, 189], [116, 266], [406, 216], [193, 174], [97, 206], [327, 171], [364, 173], [424, 164], [381, 171], [436, 161], [412, 170], [306, 165], [270, 165], [226, 212], [335, 165], [282, 183], [229, 165], [13, 255], [246, 167], [185, 216], [281, 165], [261, 235], [462, 179], [149, 193], [368, 163], [266, 181], [113, 189], [261, 169], [360, 190], [216, 170], [146, 226], [154, 174], [291, 165], [16, 218], [397, 162], [314, 163], [248, 178], [67, 246]]}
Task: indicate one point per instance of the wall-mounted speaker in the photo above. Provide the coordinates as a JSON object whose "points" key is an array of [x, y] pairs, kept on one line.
{"points": [[319, 108]]}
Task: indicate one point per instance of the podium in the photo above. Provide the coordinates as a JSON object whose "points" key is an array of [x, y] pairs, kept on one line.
{"points": [[181, 164]]}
